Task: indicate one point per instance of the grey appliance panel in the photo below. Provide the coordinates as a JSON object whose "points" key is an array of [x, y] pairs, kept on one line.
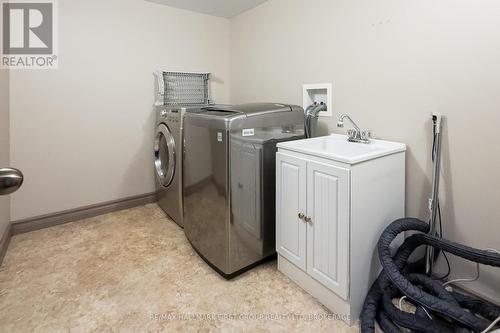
{"points": [[253, 109], [252, 228], [206, 192], [229, 183], [169, 194]]}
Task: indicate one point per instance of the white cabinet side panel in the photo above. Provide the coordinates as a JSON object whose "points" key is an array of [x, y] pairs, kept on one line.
{"points": [[377, 199]]}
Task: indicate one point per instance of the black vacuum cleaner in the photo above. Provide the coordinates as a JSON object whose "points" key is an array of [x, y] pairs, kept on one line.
{"points": [[437, 309]]}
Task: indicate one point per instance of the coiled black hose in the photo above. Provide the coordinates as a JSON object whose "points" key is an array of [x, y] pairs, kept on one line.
{"points": [[451, 312]]}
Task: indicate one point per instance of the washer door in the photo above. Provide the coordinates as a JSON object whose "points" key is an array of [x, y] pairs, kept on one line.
{"points": [[164, 148]]}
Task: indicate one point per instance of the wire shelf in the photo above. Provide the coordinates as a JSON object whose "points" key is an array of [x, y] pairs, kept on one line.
{"points": [[186, 88]]}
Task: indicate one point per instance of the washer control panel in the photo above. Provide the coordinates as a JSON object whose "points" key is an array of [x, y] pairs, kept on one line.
{"points": [[171, 116]]}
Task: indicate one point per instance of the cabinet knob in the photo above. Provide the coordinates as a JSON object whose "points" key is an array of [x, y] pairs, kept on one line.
{"points": [[301, 216], [308, 220]]}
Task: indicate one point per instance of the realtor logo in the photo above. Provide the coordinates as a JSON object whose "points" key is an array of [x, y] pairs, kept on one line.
{"points": [[28, 34]]}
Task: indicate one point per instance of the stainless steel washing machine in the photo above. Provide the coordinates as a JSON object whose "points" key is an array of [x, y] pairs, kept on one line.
{"points": [[229, 181], [168, 149]]}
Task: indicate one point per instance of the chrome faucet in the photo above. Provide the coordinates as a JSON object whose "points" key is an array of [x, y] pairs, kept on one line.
{"points": [[356, 134]]}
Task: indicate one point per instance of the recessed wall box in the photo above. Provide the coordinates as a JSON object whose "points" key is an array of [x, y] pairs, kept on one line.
{"points": [[318, 92]]}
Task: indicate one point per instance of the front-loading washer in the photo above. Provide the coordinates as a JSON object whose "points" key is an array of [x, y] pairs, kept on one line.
{"points": [[168, 158]]}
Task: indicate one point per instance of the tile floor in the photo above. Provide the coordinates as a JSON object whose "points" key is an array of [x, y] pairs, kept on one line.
{"points": [[134, 271]]}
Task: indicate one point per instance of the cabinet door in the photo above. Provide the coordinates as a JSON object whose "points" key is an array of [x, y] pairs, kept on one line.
{"points": [[290, 201], [328, 232]]}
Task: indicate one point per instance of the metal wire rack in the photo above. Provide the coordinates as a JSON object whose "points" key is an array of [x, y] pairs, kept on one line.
{"points": [[182, 88]]}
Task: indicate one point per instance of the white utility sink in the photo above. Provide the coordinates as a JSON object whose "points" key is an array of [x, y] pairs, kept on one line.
{"points": [[337, 148]]}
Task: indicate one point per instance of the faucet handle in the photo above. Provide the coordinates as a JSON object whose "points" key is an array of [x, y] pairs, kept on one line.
{"points": [[351, 133], [366, 134]]}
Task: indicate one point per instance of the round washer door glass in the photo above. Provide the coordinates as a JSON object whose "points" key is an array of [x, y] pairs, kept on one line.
{"points": [[164, 149]]}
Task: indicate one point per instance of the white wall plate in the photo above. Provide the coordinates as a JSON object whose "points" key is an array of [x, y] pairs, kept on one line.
{"points": [[318, 92]]}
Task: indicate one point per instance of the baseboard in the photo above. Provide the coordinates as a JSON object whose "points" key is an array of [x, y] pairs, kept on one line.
{"points": [[4, 242], [71, 215], [467, 290]]}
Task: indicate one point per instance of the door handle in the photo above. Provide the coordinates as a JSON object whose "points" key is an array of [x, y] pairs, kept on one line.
{"points": [[301, 216], [308, 220], [10, 180]]}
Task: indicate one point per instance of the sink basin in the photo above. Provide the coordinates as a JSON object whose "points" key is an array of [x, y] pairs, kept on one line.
{"points": [[337, 148]]}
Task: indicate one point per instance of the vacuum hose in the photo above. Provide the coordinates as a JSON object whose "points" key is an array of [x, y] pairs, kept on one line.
{"points": [[451, 311]]}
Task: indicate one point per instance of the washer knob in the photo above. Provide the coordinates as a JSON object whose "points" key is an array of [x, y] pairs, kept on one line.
{"points": [[163, 114]]}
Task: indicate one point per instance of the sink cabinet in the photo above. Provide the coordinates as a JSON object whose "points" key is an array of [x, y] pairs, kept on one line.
{"points": [[319, 192], [329, 216]]}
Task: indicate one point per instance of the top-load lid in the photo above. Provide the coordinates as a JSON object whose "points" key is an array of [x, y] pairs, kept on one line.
{"points": [[244, 116], [250, 110]]}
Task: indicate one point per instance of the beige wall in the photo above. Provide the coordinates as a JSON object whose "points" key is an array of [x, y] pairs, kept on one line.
{"points": [[392, 63], [83, 134], [4, 145]]}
